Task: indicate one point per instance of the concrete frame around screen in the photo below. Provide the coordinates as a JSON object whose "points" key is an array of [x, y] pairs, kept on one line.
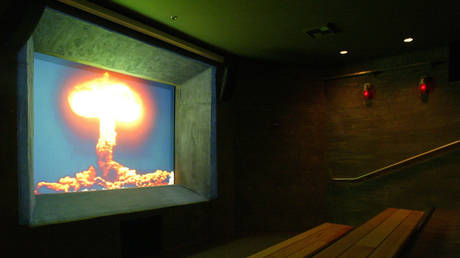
{"points": [[195, 132]]}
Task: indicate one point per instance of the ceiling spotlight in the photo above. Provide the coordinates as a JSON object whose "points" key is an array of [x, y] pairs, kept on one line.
{"points": [[343, 52], [408, 40]]}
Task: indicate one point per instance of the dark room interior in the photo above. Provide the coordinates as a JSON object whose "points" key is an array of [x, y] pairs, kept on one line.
{"points": [[300, 128]]}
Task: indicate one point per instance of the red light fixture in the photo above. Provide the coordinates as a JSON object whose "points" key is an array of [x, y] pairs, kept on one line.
{"points": [[368, 91], [425, 86]]}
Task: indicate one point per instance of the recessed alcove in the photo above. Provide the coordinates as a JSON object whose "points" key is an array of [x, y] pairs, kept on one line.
{"points": [[61, 35]]}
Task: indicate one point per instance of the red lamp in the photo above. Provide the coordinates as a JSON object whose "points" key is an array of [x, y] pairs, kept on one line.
{"points": [[425, 86], [368, 91]]}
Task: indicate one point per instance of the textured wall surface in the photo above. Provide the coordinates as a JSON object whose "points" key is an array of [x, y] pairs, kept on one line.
{"points": [[64, 36], [398, 125], [59, 208], [25, 128], [279, 148], [193, 133], [292, 134], [431, 184]]}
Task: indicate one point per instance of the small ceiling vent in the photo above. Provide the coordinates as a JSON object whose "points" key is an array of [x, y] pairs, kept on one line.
{"points": [[321, 31]]}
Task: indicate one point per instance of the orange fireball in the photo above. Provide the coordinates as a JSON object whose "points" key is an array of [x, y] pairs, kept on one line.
{"points": [[111, 102], [105, 99]]}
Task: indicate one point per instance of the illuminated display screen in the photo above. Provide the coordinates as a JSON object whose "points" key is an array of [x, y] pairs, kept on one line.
{"points": [[99, 130]]}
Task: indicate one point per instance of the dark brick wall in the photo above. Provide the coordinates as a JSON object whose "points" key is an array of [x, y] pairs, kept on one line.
{"points": [[279, 148], [398, 125], [430, 184], [292, 133]]}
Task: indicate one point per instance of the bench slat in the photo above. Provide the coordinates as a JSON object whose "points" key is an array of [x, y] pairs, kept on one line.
{"points": [[347, 241], [312, 248], [318, 245], [395, 241], [313, 241], [291, 240], [323, 234], [376, 236]]}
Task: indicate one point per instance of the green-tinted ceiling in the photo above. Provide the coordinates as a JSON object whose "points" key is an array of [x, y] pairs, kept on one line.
{"points": [[274, 29]]}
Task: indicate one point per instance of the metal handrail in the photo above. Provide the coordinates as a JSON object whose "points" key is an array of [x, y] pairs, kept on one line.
{"points": [[381, 70], [397, 164]]}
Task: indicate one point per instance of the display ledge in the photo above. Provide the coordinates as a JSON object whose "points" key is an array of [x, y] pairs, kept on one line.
{"points": [[58, 208]]}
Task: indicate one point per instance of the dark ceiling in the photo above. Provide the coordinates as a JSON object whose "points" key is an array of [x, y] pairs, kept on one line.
{"points": [[275, 29]]}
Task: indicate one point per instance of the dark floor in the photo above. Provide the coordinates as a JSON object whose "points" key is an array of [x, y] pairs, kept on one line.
{"points": [[440, 237], [242, 246]]}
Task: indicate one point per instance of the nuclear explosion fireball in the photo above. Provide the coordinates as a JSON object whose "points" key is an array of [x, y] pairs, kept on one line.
{"points": [[111, 102], [106, 100]]}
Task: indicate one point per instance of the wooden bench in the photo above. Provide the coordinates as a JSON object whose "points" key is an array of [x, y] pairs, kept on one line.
{"points": [[382, 236], [306, 243]]}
